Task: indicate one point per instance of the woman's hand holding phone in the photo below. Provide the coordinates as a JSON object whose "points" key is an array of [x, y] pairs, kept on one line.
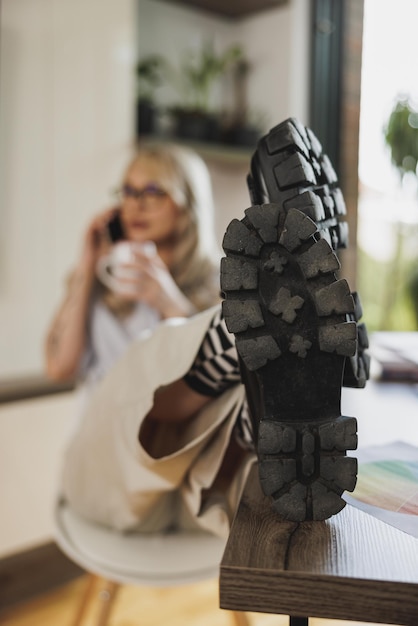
{"points": [[96, 238]]}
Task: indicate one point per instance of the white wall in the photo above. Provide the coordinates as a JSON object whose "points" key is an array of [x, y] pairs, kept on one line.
{"points": [[275, 41], [66, 129], [66, 125]]}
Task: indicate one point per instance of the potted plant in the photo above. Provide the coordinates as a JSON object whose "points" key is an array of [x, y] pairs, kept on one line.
{"points": [[244, 127], [199, 73], [150, 72]]}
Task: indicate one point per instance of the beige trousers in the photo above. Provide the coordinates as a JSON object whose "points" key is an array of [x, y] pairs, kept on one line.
{"points": [[109, 477]]}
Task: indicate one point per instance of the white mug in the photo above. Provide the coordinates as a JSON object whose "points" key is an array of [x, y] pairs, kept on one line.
{"points": [[111, 269]]}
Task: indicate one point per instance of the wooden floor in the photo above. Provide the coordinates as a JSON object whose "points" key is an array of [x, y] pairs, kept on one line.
{"points": [[192, 605]]}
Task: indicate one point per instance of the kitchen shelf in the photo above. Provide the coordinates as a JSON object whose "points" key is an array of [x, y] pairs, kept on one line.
{"points": [[231, 8], [219, 152]]}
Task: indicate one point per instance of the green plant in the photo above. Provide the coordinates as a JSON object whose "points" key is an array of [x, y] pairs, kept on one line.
{"points": [[200, 71], [401, 135], [412, 291], [151, 72]]}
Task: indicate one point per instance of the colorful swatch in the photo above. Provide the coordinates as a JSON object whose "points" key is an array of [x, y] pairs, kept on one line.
{"points": [[391, 485]]}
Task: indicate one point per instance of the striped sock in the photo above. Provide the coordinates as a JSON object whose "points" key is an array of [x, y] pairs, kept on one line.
{"points": [[215, 368]]}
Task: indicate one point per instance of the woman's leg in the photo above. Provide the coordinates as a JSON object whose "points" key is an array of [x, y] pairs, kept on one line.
{"points": [[214, 370], [111, 477]]}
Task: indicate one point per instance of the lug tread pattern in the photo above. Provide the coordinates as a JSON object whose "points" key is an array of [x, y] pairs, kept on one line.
{"points": [[339, 338], [265, 221], [284, 137], [303, 467], [334, 298], [308, 203], [258, 351], [295, 170], [357, 368], [319, 259], [242, 315], [295, 345], [290, 163], [286, 305], [295, 238], [299, 228], [238, 238], [236, 275]]}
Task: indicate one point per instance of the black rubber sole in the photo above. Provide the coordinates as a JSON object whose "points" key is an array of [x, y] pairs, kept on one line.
{"points": [[295, 324], [357, 368], [289, 168], [288, 312]]}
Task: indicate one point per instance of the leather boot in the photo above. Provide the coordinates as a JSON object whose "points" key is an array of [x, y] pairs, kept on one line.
{"points": [[295, 323]]}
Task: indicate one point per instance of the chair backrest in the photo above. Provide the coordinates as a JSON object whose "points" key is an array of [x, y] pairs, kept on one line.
{"points": [[157, 560]]}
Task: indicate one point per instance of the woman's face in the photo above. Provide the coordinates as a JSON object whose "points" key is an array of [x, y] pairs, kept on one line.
{"points": [[148, 213]]}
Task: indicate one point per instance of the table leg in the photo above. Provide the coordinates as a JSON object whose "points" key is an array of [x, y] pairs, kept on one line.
{"points": [[298, 621]]}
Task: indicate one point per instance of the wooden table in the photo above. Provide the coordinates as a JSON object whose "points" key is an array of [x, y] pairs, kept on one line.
{"points": [[352, 566]]}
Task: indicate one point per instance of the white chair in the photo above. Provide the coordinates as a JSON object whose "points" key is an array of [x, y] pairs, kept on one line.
{"points": [[160, 560]]}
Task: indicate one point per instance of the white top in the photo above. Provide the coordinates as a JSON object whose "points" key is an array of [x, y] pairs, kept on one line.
{"points": [[109, 338]]}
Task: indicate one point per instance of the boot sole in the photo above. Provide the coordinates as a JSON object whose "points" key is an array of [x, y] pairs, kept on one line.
{"points": [[289, 168], [295, 324], [289, 312]]}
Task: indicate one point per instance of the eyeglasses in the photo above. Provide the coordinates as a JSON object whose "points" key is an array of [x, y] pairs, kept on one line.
{"points": [[151, 195]]}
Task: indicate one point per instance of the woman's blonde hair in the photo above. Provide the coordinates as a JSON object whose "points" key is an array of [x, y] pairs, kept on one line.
{"points": [[185, 177]]}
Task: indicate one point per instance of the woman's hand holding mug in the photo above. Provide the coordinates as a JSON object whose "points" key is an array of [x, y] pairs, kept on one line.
{"points": [[120, 270], [135, 271]]}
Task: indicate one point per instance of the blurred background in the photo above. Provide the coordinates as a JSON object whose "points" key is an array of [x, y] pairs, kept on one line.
{"points": [[388, 193], [82, 82]]}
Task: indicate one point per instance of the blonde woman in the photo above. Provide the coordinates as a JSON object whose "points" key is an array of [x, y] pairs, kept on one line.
{"points": [[165, 199], [132, 451], [169, 434]]}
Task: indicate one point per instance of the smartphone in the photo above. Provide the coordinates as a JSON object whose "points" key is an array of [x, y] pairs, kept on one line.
{"points": [[115, 229]]}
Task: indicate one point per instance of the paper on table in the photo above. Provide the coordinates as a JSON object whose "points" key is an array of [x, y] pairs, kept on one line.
{"points": [[387, 485], [394, 356]]}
